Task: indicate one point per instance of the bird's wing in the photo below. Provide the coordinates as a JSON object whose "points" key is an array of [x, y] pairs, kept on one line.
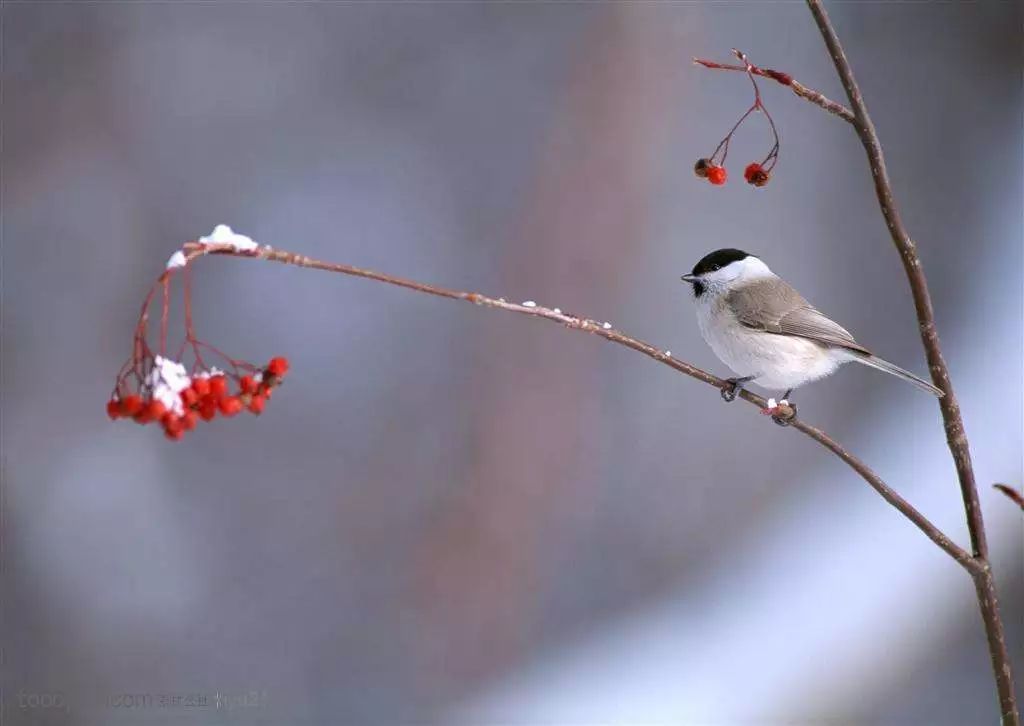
{"points": [[775, 307]]}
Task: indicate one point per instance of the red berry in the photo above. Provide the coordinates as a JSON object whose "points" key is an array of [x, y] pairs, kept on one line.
{"points": [[230, 405], [201, 386], [188, 420], [189, 397], [208, 409], [277, 366], [257, 403], [150, 412], [218, 386], [246, 384], [114, 409], [176, 434], [131, 405], [156, 410], [172, 422], [717, 175], [756, 175]]}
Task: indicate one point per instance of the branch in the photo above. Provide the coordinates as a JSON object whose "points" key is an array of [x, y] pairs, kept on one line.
{"points": [[956, 437], [1012, 493], [606, 331], [808, 94]]}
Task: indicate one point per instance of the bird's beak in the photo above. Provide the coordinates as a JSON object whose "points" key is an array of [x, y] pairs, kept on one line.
{"points": [[689, 278]]}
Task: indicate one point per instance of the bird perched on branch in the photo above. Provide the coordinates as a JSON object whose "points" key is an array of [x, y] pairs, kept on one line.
{"points": [[768, 334]]}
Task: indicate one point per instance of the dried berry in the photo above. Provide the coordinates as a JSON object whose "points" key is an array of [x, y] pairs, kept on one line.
{"points": [[755, 174]]}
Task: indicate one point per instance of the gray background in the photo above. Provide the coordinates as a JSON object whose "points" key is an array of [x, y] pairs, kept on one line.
{"points": [[455, 515]]}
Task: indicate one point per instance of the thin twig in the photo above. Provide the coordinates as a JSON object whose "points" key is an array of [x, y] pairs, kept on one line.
{"points": [[808, 94], [956, 437], [606, 331], [1012, 493]]}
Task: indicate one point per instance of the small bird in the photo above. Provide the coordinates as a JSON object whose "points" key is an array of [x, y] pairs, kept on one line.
{"points": [[768, 334]]}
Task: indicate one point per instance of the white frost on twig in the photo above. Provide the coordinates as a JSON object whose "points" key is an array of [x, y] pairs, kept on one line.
{"points": [[177, 260], [606, 325], [668, 354], [223, 234], [772, 403], [529, 304]]}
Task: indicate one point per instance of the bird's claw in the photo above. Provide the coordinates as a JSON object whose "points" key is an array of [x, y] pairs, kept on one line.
{"points": [[782, 412], [730, 390]]}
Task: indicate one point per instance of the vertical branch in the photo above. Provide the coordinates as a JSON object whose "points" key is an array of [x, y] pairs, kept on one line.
{"points": [[956, 437]]}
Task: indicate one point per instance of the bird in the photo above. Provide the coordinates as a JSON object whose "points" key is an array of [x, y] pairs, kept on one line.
{"points": [[768, 334]]}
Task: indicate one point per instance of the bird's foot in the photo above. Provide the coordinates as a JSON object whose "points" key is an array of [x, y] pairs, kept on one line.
{"points": [[782, 412], [732, 388]]}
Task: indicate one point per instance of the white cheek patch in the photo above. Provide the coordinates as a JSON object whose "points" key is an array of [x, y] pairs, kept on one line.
{"points": [[749, 268]]}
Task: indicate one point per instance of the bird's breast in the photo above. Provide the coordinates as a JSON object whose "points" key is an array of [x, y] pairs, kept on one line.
{"points": [[724, 334], [776, 361]]}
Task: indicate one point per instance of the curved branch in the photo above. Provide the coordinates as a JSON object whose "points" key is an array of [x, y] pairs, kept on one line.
{"points": [[606, 331], [1013, 495], [956, 437]]}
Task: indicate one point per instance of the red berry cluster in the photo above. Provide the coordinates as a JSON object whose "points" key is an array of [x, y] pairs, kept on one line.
{"points": [[757, 174], [179, 389], [205, 395]]}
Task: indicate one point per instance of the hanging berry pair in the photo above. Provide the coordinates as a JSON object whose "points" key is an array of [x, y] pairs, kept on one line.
{"points": [[757, 174]]}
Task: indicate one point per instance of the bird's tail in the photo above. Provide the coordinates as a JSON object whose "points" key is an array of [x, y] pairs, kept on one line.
{"points": [[874, 361]]}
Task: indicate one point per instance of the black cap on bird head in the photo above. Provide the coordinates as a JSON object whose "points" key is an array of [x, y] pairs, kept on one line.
{"points": [[709, 263]]}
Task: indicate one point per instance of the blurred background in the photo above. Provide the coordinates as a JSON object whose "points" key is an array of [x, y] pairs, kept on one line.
{"points": [[452, 515]]}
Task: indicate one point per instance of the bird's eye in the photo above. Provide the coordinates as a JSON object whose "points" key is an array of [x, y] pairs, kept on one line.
{"points": [[715, 267]]}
